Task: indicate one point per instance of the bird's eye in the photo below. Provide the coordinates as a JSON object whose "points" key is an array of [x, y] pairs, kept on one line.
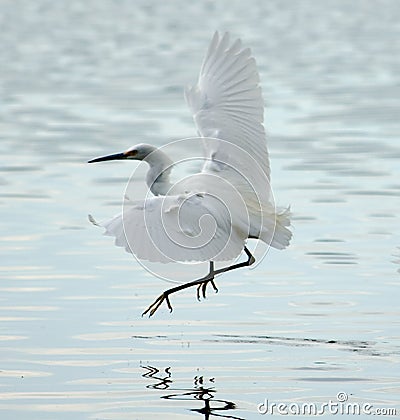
{"points": [[131, 153]]}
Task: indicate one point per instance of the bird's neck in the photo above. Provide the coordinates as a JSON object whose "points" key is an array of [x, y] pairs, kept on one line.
{"points": [[157, 177]]}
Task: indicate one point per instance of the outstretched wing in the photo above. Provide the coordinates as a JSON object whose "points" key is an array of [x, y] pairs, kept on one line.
{"points": [[227, 102], [165, 229]]}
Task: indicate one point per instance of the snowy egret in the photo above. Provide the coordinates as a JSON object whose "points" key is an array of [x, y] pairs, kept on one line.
{"points": [[210, 215]]}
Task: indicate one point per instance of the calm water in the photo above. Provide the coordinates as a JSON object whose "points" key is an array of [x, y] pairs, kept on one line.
{"points": [[78, 79]]}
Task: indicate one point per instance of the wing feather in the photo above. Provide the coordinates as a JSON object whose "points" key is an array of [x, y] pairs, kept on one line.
{"points": [[172, 228], [227, 101]]}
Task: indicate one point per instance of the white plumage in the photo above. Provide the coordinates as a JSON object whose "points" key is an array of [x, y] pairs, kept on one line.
{"points": [[228, 110], [210, 215], [187, 227], [227, 102]]}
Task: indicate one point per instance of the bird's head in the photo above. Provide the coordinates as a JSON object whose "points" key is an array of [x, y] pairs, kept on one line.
{"points": [[138, 152]]}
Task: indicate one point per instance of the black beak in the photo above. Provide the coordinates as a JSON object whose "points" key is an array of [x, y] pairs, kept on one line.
{"points": [[116, 156]]}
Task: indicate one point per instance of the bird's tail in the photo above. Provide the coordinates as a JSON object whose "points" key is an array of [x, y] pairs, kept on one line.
{"points": [[282, 235], [275, 229]]}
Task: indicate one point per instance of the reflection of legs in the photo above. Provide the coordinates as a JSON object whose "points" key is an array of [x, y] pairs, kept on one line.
{"points": [[200, 283]]}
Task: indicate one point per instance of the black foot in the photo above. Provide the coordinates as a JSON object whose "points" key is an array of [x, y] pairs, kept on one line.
{"points": [[203, 286], [151, 310]]}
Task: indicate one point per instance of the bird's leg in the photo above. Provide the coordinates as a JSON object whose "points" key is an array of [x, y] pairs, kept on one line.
{"points": [[200, 283], [165, 295], [250, 260], [203, 285]]}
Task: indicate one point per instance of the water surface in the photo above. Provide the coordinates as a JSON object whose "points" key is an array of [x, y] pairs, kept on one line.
{"points": [[80, 79]]}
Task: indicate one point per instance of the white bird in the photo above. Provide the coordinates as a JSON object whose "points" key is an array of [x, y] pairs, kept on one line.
{"points": [[210, 215]]}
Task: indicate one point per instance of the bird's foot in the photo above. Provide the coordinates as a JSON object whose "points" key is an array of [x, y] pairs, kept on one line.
{"points": [[151, 310], [203, 286]]}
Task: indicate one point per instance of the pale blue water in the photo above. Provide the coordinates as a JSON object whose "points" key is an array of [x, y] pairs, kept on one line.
{"points": [[79, 79]]}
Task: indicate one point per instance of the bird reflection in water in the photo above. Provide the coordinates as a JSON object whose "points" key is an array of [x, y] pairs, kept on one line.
{"points": [[213, 407]]}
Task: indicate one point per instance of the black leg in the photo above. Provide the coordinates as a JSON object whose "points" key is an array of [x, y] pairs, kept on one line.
{"points": [[165, 295], [250, 260], [200, 283], [203, 285]]}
